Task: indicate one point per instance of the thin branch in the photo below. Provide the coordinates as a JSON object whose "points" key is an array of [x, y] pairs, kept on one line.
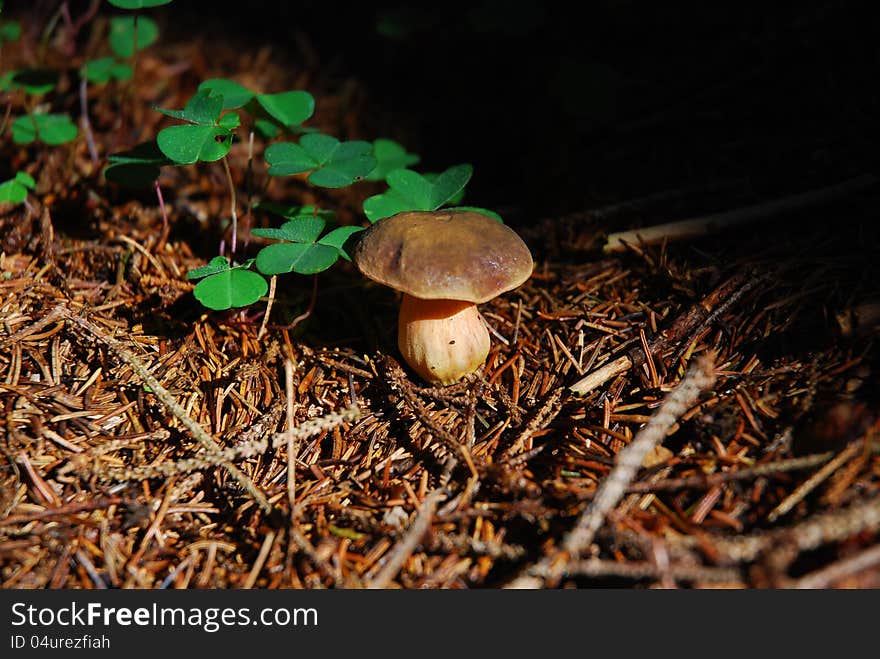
{"points": [[410, 541], [709, 224], [551, 568], [828, 576], [198, 433]]}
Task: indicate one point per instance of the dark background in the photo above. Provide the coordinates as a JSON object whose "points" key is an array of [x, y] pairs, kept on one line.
{"points": [[562, 109]]}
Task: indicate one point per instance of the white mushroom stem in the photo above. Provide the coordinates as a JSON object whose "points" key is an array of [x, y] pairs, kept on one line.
{"points": [[442, 340]]}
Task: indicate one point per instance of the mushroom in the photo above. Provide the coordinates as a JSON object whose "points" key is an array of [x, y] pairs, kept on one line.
{"points": [[445, 263]]}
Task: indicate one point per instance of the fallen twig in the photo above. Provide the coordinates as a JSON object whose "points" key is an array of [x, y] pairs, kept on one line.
{"points": [[611, 490], [198, 433], [410, 541], [708, 224]]}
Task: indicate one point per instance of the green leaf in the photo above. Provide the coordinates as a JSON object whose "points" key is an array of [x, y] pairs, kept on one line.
{"points": [[51, 129], [235, 287], [235, 95], [137, 167], [215, 265], [454, 199], [122, 34], [230, 121], [302, 258], [25, 179], [12, 193], [33, 81], [286, 158], [302, 229], [291, 212], [389, 156], [409, 190], [105, 69], [203, 108], [333, 164], [450, 183], [189, 144], [288, 108], [138, 4], [15, 190], [338, 237], [267, 128], [209, 138], [10, 31]]}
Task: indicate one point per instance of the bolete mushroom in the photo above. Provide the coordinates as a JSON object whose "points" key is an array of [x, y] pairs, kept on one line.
{"points": [[445, 263]]}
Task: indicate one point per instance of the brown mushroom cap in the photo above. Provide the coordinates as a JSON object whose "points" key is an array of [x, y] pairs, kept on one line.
{"points": [[447, 254]]}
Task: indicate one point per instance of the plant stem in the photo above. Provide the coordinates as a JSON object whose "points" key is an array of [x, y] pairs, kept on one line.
{"points": [[273, 281], [86, 124], [248, 186], [231, 204], [164, 235]]}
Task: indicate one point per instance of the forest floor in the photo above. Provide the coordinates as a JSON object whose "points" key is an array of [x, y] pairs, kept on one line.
{"points": [[768, 474]]}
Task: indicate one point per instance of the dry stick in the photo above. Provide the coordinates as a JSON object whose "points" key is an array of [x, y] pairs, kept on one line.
{"points": [[261, 560], [199, 433], [165, 226], [67, 509], [410, 541], [153, 531], [273, 282], [688, 325], [813, 482], [291, 447], [34, 327], [708, 224], [551, 568], [542, 418], [716, 313], [596, 567], [807, 535], [766, 469], [835, 572]]}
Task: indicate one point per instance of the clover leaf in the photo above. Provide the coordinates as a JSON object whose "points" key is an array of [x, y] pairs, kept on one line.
{"points": [[333, 164], [15, 190], [32, 81], [288, 108], [290, 212], [235, 95], [137, 167], [409, 190], [122, 34], [272, 111], [389, 156], [208, 135], [51, 129], [105, 69], [302, 252], [224, 287]]}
